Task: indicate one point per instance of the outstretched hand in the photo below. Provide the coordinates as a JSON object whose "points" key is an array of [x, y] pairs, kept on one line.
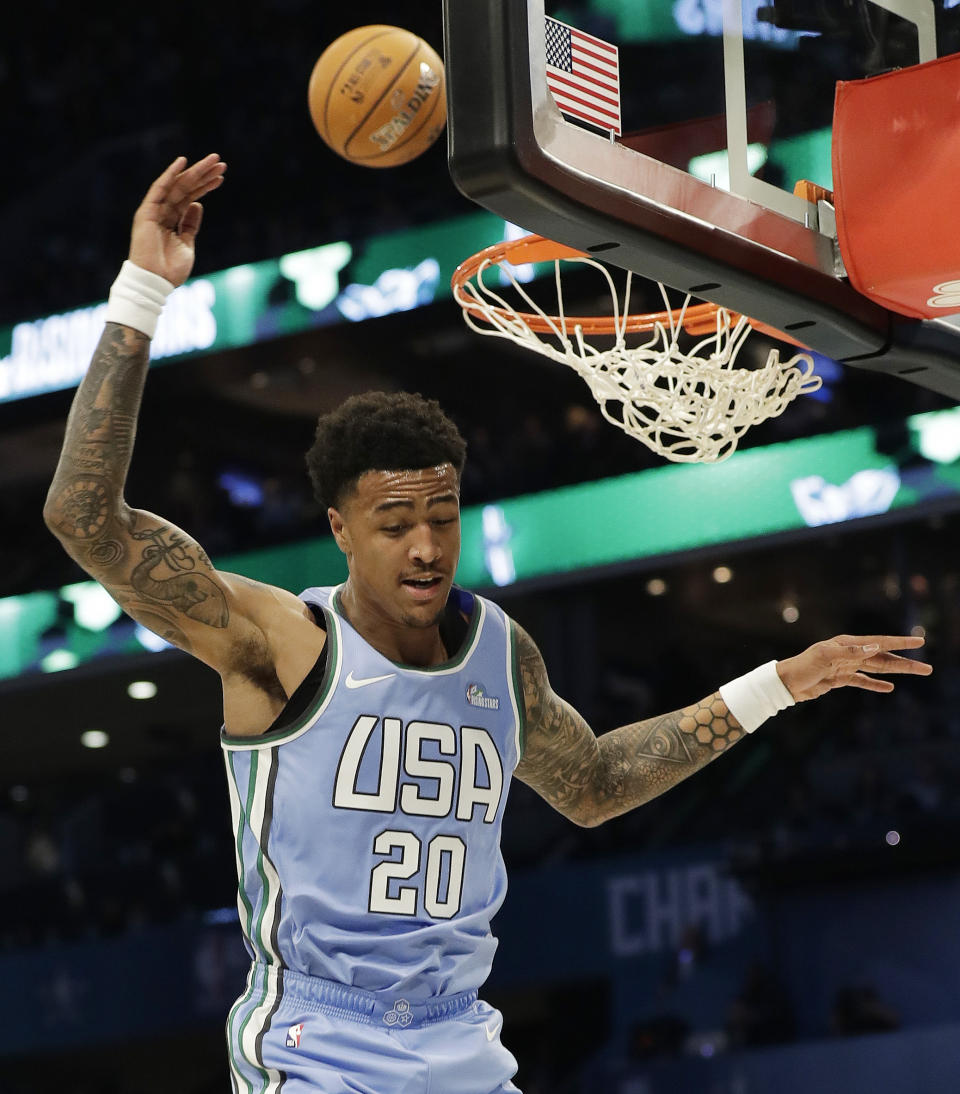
{"points": [[166, 224], [845, 661]]}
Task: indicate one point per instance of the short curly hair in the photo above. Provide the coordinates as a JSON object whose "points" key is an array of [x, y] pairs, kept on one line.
{"points": [[380, 431]]}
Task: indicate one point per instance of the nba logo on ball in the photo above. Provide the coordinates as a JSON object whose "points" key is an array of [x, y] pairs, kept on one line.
{"points": [[294, 1033]]}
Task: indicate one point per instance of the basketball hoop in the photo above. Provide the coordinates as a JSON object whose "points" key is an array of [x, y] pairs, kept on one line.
{"points": [[688, 405]]}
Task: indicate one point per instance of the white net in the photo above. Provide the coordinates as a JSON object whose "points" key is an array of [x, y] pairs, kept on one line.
{"points": [[690, 405]]}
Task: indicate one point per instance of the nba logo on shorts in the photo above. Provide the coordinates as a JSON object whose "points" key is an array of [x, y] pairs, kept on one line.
{"points": [[293, 1035]]}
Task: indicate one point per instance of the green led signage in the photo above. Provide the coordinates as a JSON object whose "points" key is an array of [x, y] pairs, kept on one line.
{"points": [[334, 283], [651, 515]]}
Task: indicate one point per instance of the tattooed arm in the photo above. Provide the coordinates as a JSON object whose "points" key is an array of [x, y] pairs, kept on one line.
{"points": [[591, 779], [156, 572]]}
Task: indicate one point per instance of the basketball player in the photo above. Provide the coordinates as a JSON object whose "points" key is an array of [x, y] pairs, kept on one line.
{"points": [[370, 731]]}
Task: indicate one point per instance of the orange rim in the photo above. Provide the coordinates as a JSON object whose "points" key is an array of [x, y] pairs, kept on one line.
{"points": [[699, 319]]}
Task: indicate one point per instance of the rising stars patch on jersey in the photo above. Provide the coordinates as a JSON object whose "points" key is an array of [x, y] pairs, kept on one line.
{"points": [[367, 832]]}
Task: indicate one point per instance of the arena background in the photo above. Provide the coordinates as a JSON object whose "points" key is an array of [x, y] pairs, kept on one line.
{"points": [[783, 921]]}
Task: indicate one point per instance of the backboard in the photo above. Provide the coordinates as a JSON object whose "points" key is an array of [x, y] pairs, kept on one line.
{"points": [[682, 164]]}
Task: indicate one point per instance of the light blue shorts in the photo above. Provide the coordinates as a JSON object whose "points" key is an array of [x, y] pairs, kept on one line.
{"points": [[299, 1034]]}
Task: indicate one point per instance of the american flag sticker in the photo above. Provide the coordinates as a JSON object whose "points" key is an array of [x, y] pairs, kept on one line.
{"points": [[583, 74]]}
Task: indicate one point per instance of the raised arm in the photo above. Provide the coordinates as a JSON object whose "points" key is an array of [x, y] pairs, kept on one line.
{"points": [[156, 572], [590, 779]]}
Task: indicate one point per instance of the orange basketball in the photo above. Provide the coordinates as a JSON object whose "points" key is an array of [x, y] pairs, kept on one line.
{"points": [[378, 97]]}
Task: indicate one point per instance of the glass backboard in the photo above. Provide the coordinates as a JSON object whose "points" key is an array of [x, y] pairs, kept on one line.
{"points": [[669, 136]]}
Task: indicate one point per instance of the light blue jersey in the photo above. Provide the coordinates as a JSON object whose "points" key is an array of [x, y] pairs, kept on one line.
{"points": [[368, 831]]}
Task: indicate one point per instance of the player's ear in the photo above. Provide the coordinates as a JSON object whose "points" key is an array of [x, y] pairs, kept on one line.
{"points": [[338, 528]]}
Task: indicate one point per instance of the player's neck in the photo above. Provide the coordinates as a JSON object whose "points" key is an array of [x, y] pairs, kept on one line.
{"points": [[396, 640]]}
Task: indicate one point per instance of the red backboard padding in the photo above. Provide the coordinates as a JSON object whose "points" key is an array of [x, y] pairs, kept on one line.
{"points": [[896, 177]]}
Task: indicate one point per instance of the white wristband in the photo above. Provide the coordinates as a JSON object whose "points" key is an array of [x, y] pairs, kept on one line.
{"points": [[757, 696], [137, 298]]}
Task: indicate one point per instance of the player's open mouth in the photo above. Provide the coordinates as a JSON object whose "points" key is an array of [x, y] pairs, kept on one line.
{"points": [[423, 588]]}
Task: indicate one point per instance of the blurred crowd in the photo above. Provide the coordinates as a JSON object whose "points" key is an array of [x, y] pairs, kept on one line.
{"points": [[101, 858]]}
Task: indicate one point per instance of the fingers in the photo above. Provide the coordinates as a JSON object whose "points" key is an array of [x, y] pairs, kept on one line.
{"points": [[179, 186], [190, 224], [161, 186], [881, 641], [191, 184], [201, 178], [848, 649], [862, 654], [868, 683], [889, 662], [846, 661]]}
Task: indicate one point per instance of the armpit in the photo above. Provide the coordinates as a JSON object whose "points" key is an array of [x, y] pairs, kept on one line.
{"points": [[252, 660]]}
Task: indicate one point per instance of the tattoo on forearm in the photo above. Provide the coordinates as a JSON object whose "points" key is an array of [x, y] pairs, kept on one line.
{"points": [[155, 572], [646, 758], [661, 741], [100, 432], [592, 779]]}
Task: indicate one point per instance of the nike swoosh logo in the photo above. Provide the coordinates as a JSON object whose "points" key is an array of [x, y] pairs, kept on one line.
{"points": [[361, 682], [491, 1033]]}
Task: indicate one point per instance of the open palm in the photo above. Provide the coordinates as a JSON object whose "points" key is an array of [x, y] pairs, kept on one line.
{"points": [[166, 224]]}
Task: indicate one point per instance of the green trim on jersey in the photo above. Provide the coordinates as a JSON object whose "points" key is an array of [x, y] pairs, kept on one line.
{"points": [[252, 932], [241, 825], [231, 1018], [243, 1027], [265, 1002], [266, 900], [254, 925], [466, 648], [248, 931]]}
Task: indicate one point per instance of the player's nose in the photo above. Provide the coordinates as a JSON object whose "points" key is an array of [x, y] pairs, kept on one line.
{"points": [[424, 547]]}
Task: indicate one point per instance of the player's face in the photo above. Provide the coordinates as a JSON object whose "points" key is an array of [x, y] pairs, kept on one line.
{"points": [[400, 531]]}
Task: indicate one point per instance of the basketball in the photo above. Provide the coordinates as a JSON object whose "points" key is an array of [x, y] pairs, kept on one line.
{"points": [[377, 96]]}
